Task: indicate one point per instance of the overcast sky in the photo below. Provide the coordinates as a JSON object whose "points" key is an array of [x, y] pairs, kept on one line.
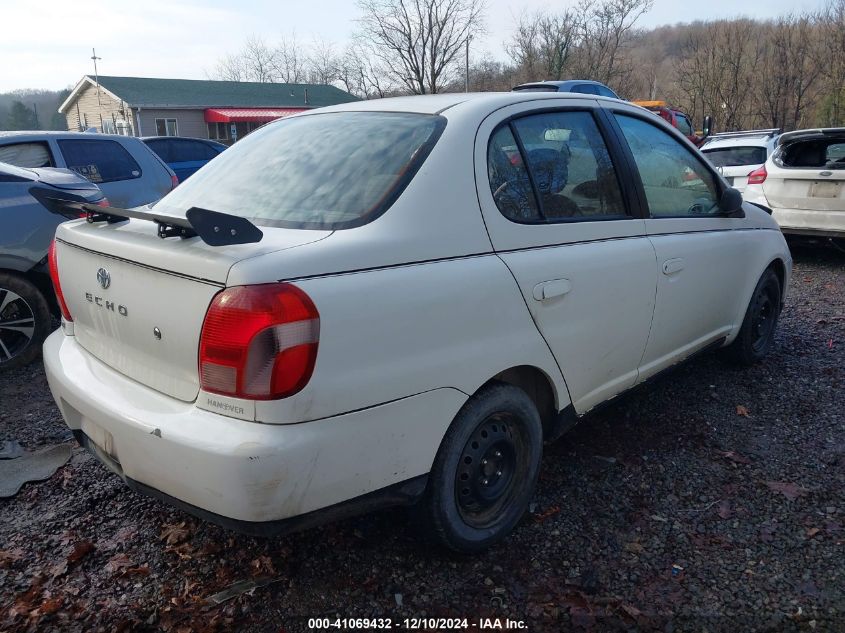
{"points": [[47, 43]]}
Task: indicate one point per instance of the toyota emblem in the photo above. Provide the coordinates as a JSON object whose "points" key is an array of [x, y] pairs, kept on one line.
{"points": [[104, 278]]}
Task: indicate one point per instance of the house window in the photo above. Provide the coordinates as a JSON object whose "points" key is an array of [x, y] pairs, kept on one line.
{"points": [[218, 131], [166, 127]]}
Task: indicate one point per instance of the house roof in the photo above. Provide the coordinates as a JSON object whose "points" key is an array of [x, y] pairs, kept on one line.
{"points": [[197, 93]]}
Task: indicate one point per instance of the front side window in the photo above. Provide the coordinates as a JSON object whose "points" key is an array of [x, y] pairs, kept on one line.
{"points": [[166, 127], [187, 151], [323, 171], [676, 183], [736, 156], [99, 161], [569, 165], [31, 155], [684, 126]]}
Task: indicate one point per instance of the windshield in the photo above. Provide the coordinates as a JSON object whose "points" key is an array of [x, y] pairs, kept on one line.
{"points": [[323, 171], [736, 156]]}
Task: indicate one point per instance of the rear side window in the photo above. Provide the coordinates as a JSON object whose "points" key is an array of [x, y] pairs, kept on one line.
{"points": [[568, 164], [606, 92], [509, 180], [99, 160], [162, 148], [186, 151], [322, 171], [585, 89], [30, 155], [736, 156]]}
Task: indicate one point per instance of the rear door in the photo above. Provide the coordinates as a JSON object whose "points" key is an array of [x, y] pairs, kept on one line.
{"points": [[702, 255], [557, 210]]}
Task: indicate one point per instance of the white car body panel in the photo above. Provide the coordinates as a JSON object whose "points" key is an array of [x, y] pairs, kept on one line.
{"points": [[418, 309]]}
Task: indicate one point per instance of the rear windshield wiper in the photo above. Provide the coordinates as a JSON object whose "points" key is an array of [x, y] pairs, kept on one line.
{"points": [[212, 227]]}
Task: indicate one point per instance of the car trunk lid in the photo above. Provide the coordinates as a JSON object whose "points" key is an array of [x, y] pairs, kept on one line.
{"points": [[138, 302]]}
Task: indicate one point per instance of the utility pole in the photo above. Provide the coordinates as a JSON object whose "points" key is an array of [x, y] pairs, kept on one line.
{"points": [[35, 110], [96, 75], [466, 79]]}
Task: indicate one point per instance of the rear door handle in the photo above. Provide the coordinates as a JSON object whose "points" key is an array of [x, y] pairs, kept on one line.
{"points": [[549, 289], [672, 266]]}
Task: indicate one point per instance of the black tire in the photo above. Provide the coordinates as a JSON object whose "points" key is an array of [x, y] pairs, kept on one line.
{"points": [[485, 470], [757, 332], [24, 321]]}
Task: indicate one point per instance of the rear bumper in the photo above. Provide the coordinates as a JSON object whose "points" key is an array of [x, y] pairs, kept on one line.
{"points": [[240, 473], [806, 222]]}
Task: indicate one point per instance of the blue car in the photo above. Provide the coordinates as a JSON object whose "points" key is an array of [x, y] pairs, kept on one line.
{"points": [[183, 155], [582, 86]]}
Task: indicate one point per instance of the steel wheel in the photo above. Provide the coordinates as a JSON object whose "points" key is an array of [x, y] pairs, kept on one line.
{"points": [[17, 324], [764, 318]]}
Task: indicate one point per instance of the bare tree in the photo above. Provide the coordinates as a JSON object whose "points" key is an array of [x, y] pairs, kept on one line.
{"points": [[291, 61], [830, 59], [361, 73], [420, 41], [544, 44], [322, 63]]}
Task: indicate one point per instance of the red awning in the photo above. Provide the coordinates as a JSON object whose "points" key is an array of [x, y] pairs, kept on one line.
{"points": [[239, 115]]}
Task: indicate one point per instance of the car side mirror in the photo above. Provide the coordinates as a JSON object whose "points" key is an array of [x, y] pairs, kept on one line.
{"points": [[731, 203], [707, 126]]}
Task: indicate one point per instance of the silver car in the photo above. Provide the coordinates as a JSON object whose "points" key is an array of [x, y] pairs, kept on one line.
{"points": [[127, 171]]}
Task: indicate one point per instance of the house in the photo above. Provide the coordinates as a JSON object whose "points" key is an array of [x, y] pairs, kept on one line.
{"points": [[221, 110]]}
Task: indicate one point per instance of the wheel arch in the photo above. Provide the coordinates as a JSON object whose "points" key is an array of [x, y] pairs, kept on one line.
{"points": [[538, 385]]}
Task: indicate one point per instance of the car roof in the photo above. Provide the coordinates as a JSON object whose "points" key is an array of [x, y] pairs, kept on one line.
{"points": [[565, 83], [179, 138], [738, 141], [441, 103], [44, 134]]}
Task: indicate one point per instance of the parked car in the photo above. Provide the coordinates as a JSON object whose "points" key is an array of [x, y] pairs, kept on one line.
{"points": [[803, 183], [403, 304], [184, 155], [581, 86], [737, 154], [128, 172], [678, 119], [26, 232]]}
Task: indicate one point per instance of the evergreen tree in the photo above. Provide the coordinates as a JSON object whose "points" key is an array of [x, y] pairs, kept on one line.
{"points": [[20, 117]]}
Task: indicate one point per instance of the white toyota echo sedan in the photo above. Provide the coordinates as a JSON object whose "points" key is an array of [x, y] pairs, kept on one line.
{"points": [[399, 301]]}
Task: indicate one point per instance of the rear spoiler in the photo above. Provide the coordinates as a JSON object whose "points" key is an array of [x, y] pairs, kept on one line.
{"points": [[212, 227]]}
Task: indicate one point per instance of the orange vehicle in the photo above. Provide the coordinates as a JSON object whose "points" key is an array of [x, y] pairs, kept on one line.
{"points": [[678, 119]]}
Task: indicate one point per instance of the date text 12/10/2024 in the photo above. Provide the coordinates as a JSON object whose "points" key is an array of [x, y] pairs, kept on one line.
{"points": [[440, 624]]}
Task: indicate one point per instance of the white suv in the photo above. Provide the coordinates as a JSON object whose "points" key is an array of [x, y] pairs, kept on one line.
{"points": [[803, 182], [737, 154], [398, 301]]}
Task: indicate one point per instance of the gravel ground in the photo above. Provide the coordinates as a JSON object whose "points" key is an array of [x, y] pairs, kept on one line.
{"points": [[712, 500]]}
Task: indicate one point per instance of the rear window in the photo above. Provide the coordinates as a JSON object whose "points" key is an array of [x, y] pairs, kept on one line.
{"points": [[537, 88], [736, 156], [323, 171], [814, 154], [35, 154], [99, 160]]}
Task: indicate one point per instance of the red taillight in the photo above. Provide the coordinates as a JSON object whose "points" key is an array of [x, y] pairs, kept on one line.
{"points": [[102, 203], [54, 277], [174, 180], [758, 176], [259, 342]]}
